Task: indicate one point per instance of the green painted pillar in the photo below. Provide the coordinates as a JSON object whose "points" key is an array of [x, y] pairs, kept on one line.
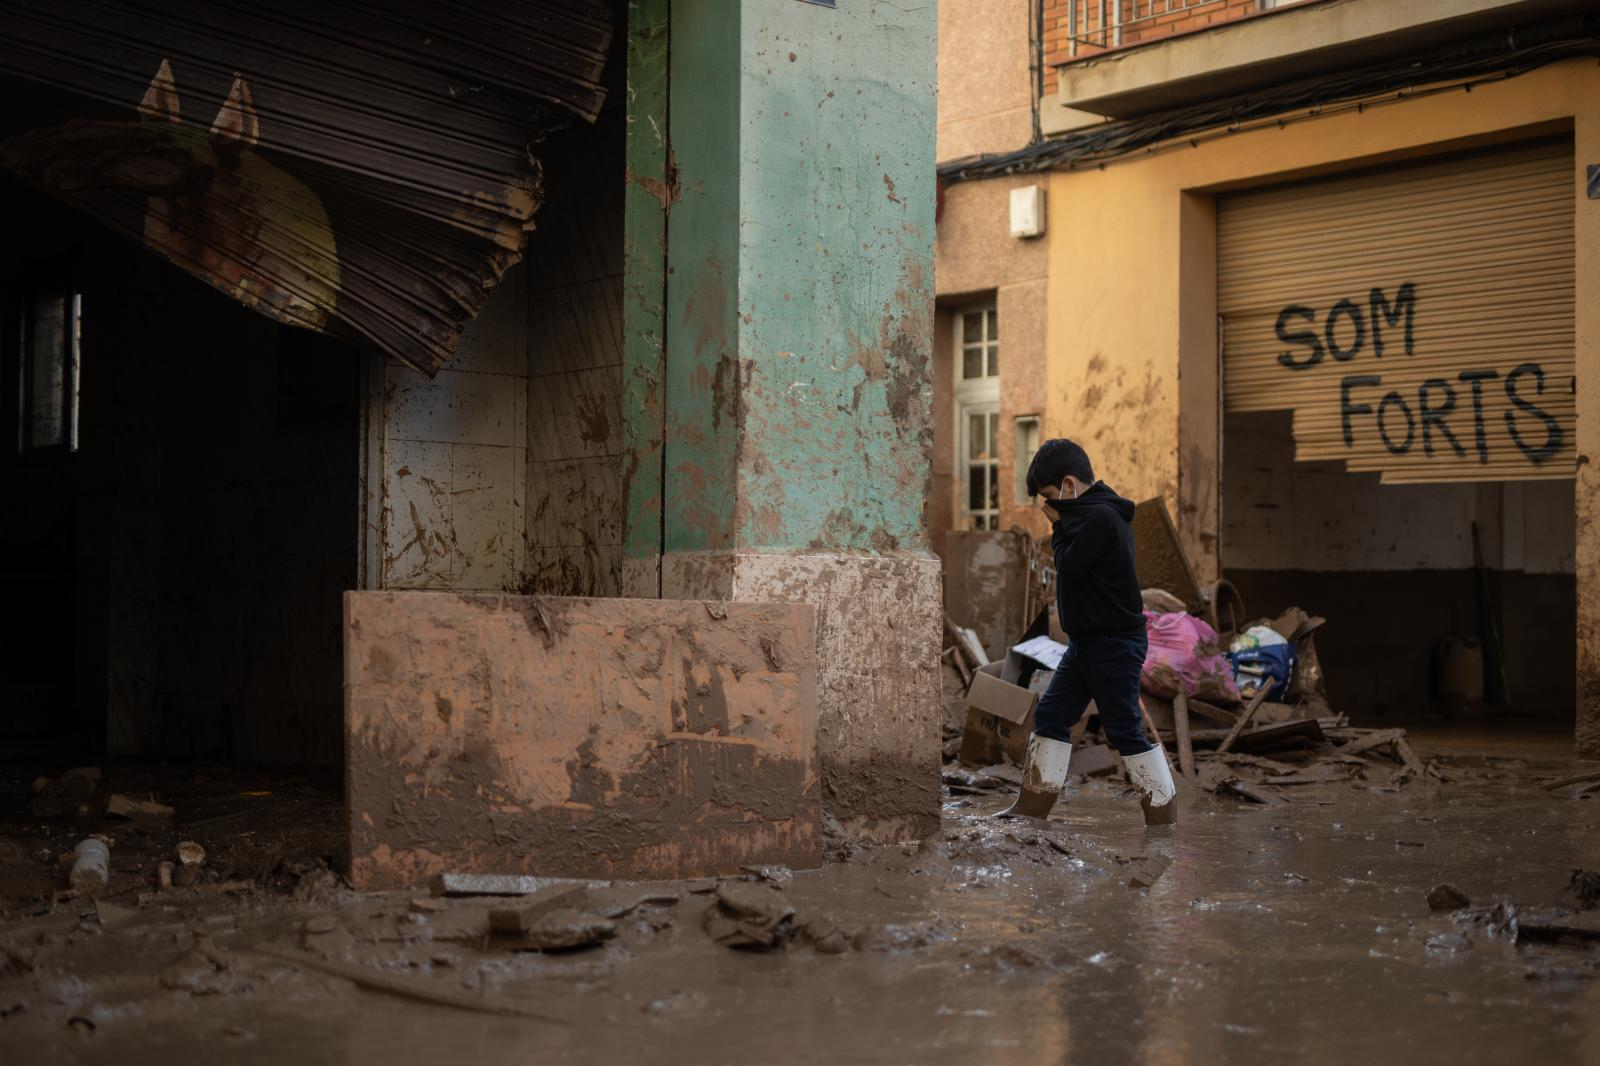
{"points": [[795, 395], [647, 199]]}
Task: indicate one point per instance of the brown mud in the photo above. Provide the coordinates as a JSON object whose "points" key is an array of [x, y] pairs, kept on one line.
{"points": [[1244, 933]]}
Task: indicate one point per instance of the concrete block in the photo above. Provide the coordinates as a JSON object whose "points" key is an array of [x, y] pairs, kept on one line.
{"points": [[600, 738]]}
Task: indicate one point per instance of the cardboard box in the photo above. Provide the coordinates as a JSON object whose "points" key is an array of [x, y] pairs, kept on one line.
{"points": [[999, 712]]}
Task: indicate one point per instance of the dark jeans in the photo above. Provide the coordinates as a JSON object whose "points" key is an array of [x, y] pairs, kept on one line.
{"points": [[1106, 670]]}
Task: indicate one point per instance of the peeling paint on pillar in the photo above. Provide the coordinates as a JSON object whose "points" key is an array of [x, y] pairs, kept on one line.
{"points": [[800, 301], [799, 426]]}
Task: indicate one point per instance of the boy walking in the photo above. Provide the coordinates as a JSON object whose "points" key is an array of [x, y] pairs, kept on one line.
{"points": [[1097, 596]]}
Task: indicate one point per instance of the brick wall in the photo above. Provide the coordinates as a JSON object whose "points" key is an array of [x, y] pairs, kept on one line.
{"points": [[1142, 21]]}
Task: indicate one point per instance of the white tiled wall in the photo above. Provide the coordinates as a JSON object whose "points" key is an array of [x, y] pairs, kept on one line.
{"points": [[454, 456]]}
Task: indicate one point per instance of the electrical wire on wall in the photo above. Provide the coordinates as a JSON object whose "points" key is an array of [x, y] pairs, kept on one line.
{"points": [[1036, 65]]}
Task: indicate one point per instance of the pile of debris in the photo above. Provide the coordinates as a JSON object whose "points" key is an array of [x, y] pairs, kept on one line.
{"points": [[1570, 920], [1220, 692]]}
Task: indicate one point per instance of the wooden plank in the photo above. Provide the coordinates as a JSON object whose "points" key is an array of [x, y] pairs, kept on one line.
{"points": [[1213, 712], [1375, 739], [1180, 717], [1237, 787], [1155, 734], [1244, 719], [423, 989], [966, 641], [1592, 775], [1404, 752]]}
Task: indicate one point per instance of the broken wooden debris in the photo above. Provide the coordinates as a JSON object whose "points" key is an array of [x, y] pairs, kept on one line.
{"points": [[120, 806], [1366, 740], [1250, 710], [518, 919], [1148, 872], [1578, 779], [1319, 774], [1558, 928], [1409, 757], [408, 987], [1243, 789], [1213, 712], [1180, 718], [967, 644], [1266, 736]]}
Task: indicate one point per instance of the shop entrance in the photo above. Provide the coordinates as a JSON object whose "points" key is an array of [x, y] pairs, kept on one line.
{"points": [[1399, 427]]}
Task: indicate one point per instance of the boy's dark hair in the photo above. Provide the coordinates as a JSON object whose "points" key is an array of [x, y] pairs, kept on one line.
{"points": [[1054, 460]]}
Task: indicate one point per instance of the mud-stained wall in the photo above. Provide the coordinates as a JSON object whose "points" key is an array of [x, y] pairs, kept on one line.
{"points": [[799, 302], [878, 634], [452, 457], [580, 737], [1278, 514], [798, 399], [980, 262], [1391, 568], [575, 432]]}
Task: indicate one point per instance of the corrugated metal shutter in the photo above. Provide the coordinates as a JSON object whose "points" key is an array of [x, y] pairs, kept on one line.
{"points": [[355, 167], [1418, 320]]}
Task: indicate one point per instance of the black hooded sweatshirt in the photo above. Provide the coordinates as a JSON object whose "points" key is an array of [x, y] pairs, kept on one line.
{"points": [[1097, 590]]}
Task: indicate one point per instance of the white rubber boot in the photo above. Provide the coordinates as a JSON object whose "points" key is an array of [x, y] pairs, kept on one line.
{"points": [[1152, 776], [1044, 773]]}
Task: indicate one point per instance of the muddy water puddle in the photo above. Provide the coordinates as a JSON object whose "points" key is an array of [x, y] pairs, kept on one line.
{"points": [[1299, 932]]}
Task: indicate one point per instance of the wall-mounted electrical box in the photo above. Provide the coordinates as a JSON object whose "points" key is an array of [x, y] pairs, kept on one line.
{"points": [[1027, 211]]}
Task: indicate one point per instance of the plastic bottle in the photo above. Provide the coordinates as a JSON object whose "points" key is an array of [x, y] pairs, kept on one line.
{"points": [[91, 864]]}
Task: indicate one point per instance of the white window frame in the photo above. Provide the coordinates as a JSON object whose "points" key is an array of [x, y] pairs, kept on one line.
{"points": [[1022, 455], [975, 396]]}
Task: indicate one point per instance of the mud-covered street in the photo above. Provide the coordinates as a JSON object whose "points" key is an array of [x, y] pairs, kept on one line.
{"points": [[1302, 932]]}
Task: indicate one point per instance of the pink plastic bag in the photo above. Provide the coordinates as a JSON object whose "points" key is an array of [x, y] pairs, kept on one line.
{"points": [[1175, 662]]}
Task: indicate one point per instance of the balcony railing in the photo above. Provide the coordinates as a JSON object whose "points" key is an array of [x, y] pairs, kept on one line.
{"points": [[1095, 26]]}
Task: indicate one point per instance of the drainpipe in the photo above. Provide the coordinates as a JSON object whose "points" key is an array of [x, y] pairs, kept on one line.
{"points": [[1036, 67]]}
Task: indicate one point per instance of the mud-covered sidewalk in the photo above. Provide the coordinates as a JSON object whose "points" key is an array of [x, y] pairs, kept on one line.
{"points": [[1301, 932]]}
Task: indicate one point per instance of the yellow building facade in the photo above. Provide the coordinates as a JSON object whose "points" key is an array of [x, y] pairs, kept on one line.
{"points": [[1134, 357]]}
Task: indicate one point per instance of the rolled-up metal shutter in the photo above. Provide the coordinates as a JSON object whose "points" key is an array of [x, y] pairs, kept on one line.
{"points": [[356, 167], [1418, 320]]}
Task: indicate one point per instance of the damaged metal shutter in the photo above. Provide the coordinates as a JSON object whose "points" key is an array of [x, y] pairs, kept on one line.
{"points": [[1418, 320], [349, 166]]}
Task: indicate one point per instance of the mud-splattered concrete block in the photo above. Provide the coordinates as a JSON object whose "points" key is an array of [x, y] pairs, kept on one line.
{"points": [[601, 738]]}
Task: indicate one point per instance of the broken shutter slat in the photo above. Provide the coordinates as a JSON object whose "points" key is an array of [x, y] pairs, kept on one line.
{"points": [[357, 168]]}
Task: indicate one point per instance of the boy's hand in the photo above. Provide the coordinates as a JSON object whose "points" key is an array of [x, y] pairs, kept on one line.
{"points": [[1050, 513]]}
